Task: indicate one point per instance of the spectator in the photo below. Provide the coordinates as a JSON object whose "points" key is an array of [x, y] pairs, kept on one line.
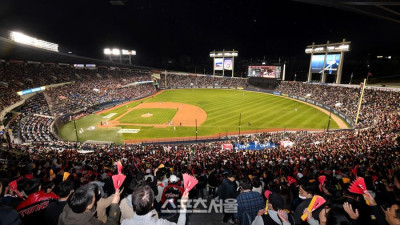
{"points": [[53, 211], [275, 214], [143, 205], [32, 210], [8, 216], [249, 203], [81, 208], [228, 190]]}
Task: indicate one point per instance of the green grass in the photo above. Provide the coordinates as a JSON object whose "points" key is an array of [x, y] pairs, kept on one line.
{"points": [[160, 116], [223, 108], [67, 131]]}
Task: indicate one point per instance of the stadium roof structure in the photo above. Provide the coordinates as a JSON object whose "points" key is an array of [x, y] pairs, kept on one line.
{"points": [[10, 50], [388, 10]]}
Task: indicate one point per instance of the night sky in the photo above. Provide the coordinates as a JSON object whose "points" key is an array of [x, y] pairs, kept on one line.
{"points": [[159, 29]]}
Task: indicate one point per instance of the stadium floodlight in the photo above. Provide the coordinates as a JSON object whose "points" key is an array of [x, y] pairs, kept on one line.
{"points": [[31, 41], [107, 51], [116, 51], [119, 52], [224, 60], [127, 52], [325, 54]]}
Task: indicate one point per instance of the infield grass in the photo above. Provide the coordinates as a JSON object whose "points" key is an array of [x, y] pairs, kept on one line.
{"points": [[223, 108]]}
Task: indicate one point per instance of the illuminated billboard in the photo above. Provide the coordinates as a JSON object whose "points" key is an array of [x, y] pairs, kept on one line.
{"points": [[265, 71], [218, 64], [228, 64], [32, 90], [331, 64]]}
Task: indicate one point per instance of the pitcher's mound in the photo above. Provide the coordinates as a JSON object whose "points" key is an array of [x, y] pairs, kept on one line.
{"points": [[147, 115]]}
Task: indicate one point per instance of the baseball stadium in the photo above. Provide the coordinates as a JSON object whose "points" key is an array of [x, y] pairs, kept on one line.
{"points": [[199, 128]]}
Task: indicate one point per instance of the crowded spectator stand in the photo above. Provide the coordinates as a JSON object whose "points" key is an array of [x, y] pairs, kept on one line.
{"points": [[370, 151]]}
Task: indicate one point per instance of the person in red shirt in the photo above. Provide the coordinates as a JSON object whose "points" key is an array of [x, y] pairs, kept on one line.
{"points": [[32, 210], [172, 193]]}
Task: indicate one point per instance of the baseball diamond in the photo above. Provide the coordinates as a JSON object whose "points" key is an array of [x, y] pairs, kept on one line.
{"points": [[216, 112]]}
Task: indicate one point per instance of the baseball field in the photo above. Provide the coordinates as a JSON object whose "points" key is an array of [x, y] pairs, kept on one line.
{"points": [[215, 112]]}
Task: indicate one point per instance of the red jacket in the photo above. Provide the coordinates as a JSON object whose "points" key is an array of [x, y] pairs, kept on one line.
{"points": [[32, 209], [172, 191]]}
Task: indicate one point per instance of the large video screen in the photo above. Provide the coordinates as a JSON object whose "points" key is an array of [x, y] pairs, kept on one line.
{"points": [[331, 64], [264, 71], [218, 64], [228, 64]]}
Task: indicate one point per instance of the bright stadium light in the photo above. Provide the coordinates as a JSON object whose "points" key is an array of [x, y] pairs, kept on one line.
{"points": [[107, 51], [125, 52], [27, 40], [21, 38], [116, 51], [122, 53], [309, 50]]}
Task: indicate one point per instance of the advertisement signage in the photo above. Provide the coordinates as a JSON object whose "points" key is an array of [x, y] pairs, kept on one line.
{"points": [[317, 63], [254, 146], [32, 90], [218, 64], [331, 64]]}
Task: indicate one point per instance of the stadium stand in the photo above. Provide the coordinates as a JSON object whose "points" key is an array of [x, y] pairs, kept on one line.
{"points": [[179, 80]]}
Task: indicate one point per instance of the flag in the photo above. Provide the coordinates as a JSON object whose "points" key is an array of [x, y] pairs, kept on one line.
{"points": [[369, 74]]}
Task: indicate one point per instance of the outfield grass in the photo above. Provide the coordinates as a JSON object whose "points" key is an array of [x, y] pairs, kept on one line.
{"points": [[223, 108], [159, 116]]}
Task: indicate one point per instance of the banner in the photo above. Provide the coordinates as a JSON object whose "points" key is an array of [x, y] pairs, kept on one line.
{"points": [[285, 144], [227, 146], [218, 64], [254, 146]]}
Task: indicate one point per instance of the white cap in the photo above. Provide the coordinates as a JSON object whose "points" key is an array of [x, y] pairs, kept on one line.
{"points": [[173, 179], [148, 171]]}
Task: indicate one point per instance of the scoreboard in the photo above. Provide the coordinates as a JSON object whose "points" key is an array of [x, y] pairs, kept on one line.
{"points": [[264, 71]]}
